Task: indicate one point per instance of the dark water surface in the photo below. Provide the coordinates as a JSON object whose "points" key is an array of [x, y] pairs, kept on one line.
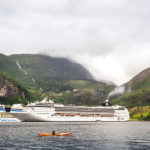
{"points": [[93, 136]]}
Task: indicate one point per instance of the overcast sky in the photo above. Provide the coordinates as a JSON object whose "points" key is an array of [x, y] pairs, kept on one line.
{"points": [[109, 37]]}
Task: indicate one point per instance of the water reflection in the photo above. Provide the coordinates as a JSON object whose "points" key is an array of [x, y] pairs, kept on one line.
{"points": [[99, 135]]}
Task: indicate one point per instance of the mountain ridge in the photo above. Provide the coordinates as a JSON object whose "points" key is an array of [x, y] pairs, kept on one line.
{"points": [[59, 76], [137, 91], [41, 68]]}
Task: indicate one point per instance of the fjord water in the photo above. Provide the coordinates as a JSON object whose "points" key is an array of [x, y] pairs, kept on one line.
{"points": [[90, 136]]}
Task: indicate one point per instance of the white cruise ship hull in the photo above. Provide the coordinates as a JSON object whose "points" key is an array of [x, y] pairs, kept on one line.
{"points": [[31, 117], [48, 112]]}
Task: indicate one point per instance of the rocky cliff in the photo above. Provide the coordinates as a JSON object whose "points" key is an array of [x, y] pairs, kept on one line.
{"points": [[13, 92], [9, 87]]}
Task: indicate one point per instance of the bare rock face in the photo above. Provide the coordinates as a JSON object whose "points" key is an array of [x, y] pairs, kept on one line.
{"points": [[3, 91], [99, 93], [9, 89]]}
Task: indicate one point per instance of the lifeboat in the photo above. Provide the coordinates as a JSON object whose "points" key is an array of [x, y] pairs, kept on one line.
{"points": [[58, 134]]}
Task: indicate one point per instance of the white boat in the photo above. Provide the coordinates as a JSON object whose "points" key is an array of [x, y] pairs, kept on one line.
{"points": [[48, 111], [5, 116]]}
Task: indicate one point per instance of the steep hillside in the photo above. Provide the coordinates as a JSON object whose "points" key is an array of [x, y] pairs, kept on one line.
{"points": [[13, 92], [59, 78], [9, 66], [49, 73], [39, 71], [140, 81], [83, 92], [137, 91]]}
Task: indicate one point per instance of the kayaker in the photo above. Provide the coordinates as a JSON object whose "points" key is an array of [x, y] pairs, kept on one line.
{"points": [[55, 132]]}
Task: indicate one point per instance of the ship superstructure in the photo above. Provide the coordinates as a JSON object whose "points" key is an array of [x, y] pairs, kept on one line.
{"points": [[6, 117], [48, 111]]}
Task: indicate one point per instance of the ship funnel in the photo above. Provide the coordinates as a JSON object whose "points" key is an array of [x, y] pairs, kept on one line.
{"points": [[7, 108]]}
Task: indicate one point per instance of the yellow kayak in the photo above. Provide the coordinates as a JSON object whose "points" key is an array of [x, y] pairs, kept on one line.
{"points": [[58, 134]]}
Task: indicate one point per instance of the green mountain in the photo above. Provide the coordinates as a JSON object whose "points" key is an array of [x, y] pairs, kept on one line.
{"points": [[54, 77], [9, 66], [137, 91], [47, 72]]}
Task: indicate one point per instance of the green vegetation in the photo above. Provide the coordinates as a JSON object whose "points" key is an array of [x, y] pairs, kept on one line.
{"points": [[81, 97], [50, 73], [90, 84], [135, 98], [139, 113], [82, 92], [9, 66], [62, 80]]}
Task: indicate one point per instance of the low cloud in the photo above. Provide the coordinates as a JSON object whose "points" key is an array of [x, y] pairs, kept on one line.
{"points": [[110, 38], [118, 90]]}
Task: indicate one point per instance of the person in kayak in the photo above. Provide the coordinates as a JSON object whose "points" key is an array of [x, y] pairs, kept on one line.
{"points": [[55, 132]]}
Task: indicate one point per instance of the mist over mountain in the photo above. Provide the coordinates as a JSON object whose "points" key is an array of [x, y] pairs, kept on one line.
{"points": [[53, 75], [137, 91], [110, 37], [45, 70], [72, 81]]}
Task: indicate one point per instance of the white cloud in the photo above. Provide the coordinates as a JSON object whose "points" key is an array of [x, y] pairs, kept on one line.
{"points": [[111, 38]]}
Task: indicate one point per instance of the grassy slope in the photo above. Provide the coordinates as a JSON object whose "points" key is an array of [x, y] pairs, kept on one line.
{"points": [[80, 84], [50, 72], [140, 113], [9, 66]]}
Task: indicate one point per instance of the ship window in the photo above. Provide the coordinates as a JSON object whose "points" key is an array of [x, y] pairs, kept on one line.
{"points": [[97, 115], [102, 115], [82, 114], [62, 114]]}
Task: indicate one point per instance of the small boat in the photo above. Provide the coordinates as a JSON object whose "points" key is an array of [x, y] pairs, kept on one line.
{"points": [[58, 134]]}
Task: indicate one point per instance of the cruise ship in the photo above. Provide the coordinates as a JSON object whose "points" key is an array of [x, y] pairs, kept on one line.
{"points": [[47, 111], [7, 117]]}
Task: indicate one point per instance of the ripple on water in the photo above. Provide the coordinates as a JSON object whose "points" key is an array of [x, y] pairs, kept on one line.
{"points": [[99, 135]]}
